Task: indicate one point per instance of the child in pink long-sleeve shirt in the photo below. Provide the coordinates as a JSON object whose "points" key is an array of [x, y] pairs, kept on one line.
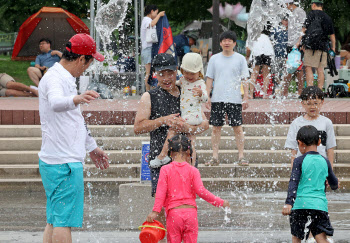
{"points": [[178, 184]]}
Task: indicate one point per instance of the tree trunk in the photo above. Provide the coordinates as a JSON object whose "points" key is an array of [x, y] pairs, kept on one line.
{"points": [[216, 23]]}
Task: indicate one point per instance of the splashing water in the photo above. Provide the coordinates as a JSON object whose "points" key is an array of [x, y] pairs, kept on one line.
{"points": [[90, 209], [261, 12], [306, 230], [226, 217], [109, 18]]}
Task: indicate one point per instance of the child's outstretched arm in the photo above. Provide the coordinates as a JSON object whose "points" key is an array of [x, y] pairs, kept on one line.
{"points": [[332, 179], [202, 192], [160, 195], [293, 185]]}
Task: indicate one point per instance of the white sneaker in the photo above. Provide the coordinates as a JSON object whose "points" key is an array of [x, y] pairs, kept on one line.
{"points": [[156, 163], [166, 160]]}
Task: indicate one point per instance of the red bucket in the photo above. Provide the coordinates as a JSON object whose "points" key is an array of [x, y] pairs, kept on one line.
{"points": [[152, 232]]}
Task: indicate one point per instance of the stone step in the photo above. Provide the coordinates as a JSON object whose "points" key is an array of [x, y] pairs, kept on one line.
{"points": [[218, 184], [128, 130], [134, 156], [135, 143], [133, 171]]}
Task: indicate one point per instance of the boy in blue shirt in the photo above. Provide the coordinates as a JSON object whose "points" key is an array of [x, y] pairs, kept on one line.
{"points": [[43, 61], [306, 202]]}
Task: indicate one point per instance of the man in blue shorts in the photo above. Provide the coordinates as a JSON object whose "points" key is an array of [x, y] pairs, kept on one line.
{"points": [[65, 139], [43, 61]]}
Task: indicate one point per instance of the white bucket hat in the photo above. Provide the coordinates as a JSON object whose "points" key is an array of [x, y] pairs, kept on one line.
{"points": [[192, 62]]}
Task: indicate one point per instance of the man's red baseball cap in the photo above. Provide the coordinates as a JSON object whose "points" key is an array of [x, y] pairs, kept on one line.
{"points": [[83, 44]]}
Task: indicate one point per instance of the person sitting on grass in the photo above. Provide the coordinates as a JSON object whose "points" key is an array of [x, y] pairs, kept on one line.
{"points": [[44, 61], [306, 202], [9, 87]]}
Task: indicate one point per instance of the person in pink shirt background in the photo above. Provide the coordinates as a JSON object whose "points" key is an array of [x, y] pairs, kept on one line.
{"points": [[178, 185]]}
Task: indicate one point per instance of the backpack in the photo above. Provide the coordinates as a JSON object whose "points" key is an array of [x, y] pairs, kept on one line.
{"points": [[314, 37], [337, 90]]}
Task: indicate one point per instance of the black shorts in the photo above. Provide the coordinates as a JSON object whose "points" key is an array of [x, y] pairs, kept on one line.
{"points": [[319, 223], [154, 179], [219, 111], [263, 60]]}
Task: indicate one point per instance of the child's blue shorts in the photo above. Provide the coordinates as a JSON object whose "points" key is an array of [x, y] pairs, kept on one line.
{"points": [[64, 189]]}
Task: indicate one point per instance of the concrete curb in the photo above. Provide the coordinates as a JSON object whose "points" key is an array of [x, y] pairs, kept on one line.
{"points": [[340, 236]]}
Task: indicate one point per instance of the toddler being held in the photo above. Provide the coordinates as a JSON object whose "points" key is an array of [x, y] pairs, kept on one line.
{"points": [[193, 94]]}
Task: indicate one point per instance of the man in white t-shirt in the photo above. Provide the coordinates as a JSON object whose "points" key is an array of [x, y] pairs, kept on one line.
{"points": [[65, 139], [296, 20], [151, 18], [225, 73]]}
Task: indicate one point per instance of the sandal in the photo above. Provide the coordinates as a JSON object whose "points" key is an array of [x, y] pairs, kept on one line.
{"points": [[243, 162], [212, 162]]}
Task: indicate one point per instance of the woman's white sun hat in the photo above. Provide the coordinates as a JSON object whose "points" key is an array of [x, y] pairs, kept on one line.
{"points": [[192, 62]]}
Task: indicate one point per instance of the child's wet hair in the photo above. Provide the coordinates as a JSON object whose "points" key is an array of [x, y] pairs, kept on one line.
{"points": [[311, 92], [180, 143], [308, 135]]}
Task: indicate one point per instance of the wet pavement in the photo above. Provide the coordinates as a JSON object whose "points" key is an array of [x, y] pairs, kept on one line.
{"points": [[255, 217]]}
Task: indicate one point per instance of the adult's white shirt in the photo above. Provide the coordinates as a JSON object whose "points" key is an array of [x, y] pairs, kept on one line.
{"points": [[262, 46], [227, 73], [146, 22], [65, 137], [295, 25]]}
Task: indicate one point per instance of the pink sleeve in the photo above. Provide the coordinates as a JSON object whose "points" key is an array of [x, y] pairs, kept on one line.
{"points": [[204, 193], [162, 187]]}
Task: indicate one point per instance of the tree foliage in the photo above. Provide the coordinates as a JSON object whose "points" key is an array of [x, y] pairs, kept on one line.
{"points": [[14, 12], [180, 12], [185, 11], [339, 11]]}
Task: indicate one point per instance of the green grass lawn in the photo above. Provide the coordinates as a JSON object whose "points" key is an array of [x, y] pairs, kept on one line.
{"points": [[16, 69]]}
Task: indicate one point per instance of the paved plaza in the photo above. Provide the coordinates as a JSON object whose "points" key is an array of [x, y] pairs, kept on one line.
{"points": [[255, 217]]}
